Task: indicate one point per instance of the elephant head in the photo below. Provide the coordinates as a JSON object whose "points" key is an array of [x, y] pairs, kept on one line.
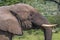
{"points": [[24, 12]]}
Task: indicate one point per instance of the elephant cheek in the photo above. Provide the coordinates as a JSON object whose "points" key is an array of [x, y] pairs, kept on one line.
{"points": [[26, 25], [48, 33]]}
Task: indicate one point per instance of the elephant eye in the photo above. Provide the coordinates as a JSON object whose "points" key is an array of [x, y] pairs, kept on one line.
{"points": [[31, 14]]}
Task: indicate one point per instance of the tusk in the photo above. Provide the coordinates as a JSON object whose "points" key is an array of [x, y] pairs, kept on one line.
{"points": [[48, 25]]}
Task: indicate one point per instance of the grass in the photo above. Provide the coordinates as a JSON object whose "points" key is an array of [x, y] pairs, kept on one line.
{"points": [[56, 36], [35, 35]]}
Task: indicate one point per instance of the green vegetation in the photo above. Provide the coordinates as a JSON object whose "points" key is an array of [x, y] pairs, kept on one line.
{"points": [[35, 35]]}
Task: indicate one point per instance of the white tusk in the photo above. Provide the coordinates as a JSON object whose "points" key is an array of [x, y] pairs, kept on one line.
{"points": [[48, 25]]}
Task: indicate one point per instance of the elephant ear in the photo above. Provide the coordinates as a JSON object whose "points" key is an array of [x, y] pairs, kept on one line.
{"points": [[9, 23], [14, 27]]}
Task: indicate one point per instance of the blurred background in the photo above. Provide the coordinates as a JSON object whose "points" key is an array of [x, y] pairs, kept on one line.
{"points": [[48, 8]]}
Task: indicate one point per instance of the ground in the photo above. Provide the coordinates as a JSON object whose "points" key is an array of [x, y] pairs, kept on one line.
{"points": [[35, 35]]}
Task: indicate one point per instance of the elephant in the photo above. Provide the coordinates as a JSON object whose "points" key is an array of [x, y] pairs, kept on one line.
{"points": [[23, 17], [9, 25], [30, 18]]}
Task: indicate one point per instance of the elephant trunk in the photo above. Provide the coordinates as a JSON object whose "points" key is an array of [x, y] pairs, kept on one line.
{"points": [[48, 33]]}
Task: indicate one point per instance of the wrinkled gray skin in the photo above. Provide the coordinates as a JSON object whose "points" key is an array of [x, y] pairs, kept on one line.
{"points": [[24, 13], [8, 25], [28, 18]]}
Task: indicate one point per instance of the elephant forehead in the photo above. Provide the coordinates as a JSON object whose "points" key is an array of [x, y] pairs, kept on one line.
{"points": [[24, 15], [17, 8], [25, 6]]}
